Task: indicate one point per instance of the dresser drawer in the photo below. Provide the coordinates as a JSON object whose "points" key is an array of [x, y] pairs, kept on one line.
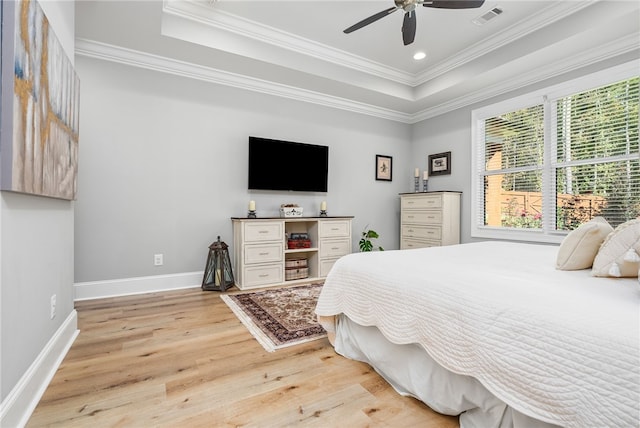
{"points": [[256, 231], [408, 244], [335, 229], [326, 265], [422, 201], [421, 232], [255, 276], [422, 217], [334, 247], [263, 253]]}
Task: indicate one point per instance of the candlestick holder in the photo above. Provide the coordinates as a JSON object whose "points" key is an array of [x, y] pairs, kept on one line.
{"points": [[416, 184], [425, 185], [252, 214], [323, 213]]}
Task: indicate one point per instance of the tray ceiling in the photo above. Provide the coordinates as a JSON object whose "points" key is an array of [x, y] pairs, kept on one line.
{"points": [[297, 49]]}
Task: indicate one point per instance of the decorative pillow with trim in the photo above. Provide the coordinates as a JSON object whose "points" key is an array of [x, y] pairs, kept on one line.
{"points": [[580, 246], [619, 254]]}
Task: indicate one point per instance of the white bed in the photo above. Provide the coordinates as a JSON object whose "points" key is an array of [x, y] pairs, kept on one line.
{"points": [[510, 341]]}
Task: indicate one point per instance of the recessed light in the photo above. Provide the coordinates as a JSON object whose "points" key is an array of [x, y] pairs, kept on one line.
{"points": [[419, 55]]}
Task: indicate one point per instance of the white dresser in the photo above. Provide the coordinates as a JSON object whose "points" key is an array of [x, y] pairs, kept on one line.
{"points": [[429, 219], [260, 248]]}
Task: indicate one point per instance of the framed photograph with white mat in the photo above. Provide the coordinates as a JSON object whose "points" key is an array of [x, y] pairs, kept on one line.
{"points": [[440, 164], [383, 168]]}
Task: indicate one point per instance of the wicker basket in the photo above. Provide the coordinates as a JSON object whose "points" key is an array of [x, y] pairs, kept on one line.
{"points": [[296, 273], [295, 263]]}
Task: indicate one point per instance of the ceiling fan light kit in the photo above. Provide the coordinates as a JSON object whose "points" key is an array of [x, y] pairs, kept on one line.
{"points": [[409, 21]]}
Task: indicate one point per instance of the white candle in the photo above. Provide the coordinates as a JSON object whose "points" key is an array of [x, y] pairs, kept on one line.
{"points": [[323, 206], [252, 205], [417, 174], [425, 175]]}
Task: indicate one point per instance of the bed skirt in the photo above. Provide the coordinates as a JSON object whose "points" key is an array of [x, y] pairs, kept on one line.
{"points": [[412, 372]]}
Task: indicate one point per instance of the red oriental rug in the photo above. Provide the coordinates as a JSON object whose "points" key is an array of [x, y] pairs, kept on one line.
{"points": [[279, 317]]}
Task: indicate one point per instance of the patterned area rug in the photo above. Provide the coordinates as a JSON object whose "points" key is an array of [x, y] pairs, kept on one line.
{"points": [[279, 317]]}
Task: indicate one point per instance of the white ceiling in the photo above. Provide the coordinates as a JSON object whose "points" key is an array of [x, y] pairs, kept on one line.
{"points": [[297, 49]]}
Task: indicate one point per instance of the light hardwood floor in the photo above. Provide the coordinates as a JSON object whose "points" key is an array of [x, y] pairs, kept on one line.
{"points": [[182, 359]]}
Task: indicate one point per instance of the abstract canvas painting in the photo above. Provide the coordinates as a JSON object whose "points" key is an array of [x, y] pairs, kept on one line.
{"points": [[40, 100]]}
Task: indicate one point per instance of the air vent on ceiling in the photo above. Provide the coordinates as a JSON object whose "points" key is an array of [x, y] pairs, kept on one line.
{"points": [[483, 19]]}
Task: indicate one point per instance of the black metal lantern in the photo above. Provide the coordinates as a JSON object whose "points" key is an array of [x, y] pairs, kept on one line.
{"points": [[218, 275]]}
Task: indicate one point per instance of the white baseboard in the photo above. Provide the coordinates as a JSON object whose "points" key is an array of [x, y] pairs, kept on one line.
{"points": [[17, 407], [139, 285]]}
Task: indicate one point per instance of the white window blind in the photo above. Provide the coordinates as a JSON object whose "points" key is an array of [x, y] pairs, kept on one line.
{"points": [[513, 159], [596, 166], [547, 162]]}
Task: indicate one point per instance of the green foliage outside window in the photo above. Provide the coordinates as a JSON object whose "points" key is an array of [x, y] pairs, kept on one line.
{"points": [[595, 158]]}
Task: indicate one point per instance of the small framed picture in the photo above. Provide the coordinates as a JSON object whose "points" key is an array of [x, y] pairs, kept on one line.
{"points": [[383, 167], [440, 164]]}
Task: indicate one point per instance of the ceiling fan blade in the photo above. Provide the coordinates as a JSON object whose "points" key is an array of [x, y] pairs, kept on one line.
{"points": [[453, 4], [409, 27], [371, 19]]}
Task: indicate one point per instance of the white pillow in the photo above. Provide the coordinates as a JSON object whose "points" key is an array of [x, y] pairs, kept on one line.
{"points": [[580, 246], [619, 254]]}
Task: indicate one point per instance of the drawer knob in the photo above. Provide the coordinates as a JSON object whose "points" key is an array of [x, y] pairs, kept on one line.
{"points": [[263, 275]]}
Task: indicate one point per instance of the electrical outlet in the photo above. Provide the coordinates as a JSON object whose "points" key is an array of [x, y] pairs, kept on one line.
{"points": [[158, 260], [53, 306]]}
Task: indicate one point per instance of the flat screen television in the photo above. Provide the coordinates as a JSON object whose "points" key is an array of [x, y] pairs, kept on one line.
{"points": [[287, 165]]}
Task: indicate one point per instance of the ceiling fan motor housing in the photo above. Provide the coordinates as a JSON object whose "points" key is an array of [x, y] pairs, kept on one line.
{"points": [[406, 5]]}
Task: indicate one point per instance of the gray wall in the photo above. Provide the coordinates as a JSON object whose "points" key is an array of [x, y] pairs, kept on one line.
{"points": [[163, 168], [36, 244]]}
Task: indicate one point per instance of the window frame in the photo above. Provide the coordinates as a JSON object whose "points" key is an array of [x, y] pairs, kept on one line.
{"points": [[545, 97]]}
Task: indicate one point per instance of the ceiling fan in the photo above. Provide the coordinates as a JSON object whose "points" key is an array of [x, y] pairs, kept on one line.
{"points": [[409, 6]]}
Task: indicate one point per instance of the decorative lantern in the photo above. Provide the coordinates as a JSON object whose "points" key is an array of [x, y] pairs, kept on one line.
{"points": [[218, 275]]}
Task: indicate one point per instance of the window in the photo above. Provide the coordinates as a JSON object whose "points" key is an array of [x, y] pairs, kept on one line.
{"points": [[547, 162]]}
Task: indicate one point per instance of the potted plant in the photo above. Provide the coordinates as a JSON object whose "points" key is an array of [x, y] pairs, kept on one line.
{"points": [[366, 243]]}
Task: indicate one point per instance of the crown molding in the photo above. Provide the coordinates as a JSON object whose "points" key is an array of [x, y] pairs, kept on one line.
{"points": [[555, 12], [206, 15], [117, 54], [618, 47], [134, 58]]}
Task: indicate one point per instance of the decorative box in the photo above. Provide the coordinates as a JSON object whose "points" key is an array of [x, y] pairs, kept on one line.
{"points": [[296, 273], [288, 212], [293, 244], [299, 235]]}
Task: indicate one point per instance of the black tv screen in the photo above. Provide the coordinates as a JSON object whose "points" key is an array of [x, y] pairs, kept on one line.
{"points": [[287, 165]]}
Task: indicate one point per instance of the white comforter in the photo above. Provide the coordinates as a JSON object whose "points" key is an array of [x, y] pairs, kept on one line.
{"points": [[562, 347]]}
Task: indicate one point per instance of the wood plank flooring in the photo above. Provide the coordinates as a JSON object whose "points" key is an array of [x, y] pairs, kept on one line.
{"points": [[182, 359]]}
